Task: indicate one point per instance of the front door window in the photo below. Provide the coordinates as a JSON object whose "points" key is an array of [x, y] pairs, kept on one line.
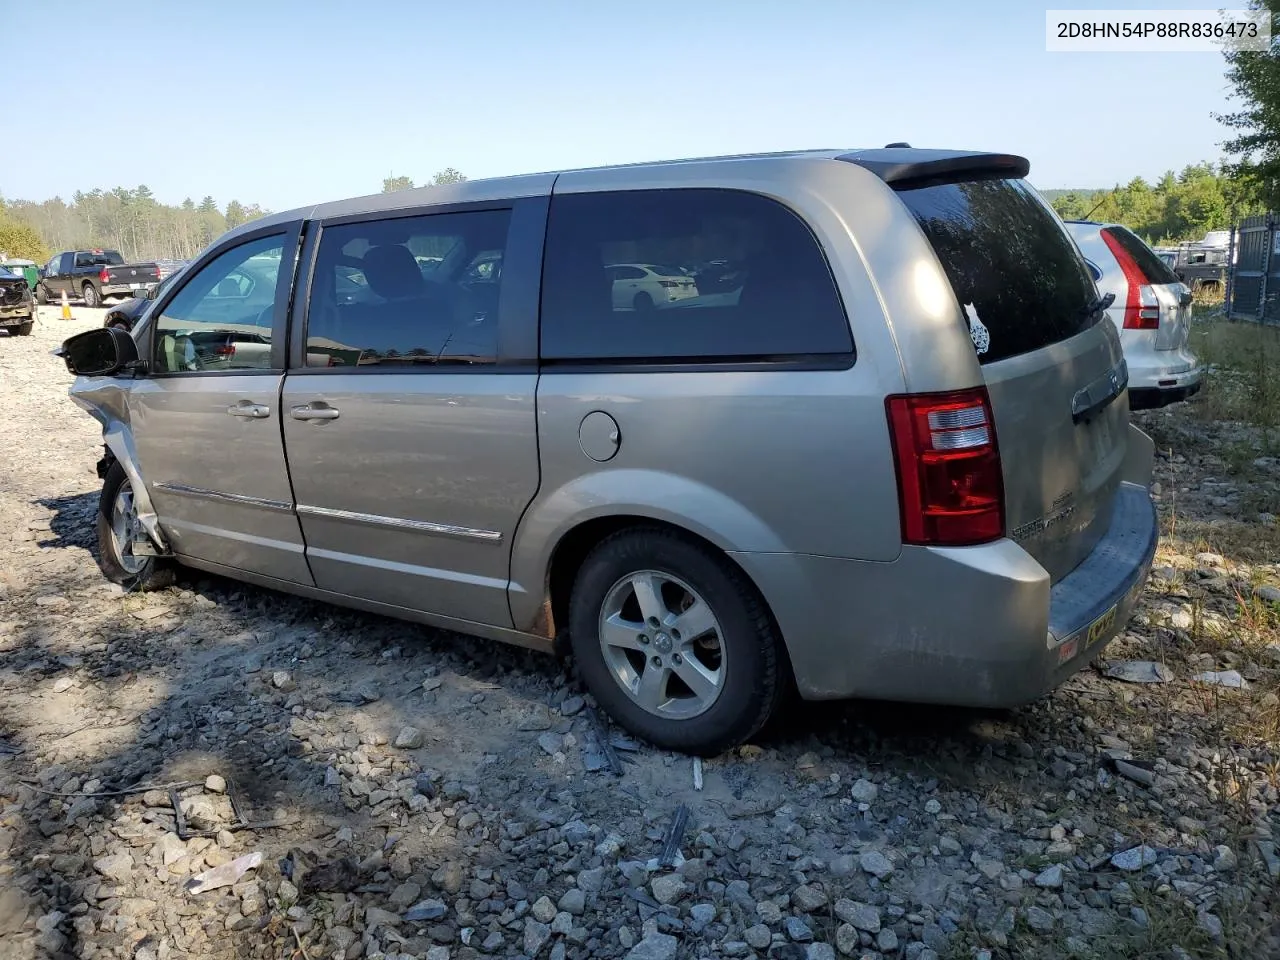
{"points": [[221, 318]]}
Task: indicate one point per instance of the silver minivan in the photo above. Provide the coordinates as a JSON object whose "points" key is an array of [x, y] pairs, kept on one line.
{"points": [[873, 442]]}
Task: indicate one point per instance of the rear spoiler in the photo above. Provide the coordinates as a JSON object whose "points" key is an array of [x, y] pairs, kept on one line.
{"points": [[905, 168]]}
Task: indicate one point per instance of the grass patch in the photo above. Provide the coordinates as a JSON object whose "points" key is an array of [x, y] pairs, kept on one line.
{"points": [[1244, 384]]}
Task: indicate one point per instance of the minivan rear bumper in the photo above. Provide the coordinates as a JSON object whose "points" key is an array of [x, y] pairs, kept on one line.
{"points": [[970, 626]]}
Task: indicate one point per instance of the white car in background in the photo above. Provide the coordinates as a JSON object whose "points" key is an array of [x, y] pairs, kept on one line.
{"points": [[643, 286], [1152, 310]]}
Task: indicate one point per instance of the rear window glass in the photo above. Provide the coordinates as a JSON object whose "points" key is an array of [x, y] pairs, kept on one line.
{"points": [[1020, 280], [1152, 267], [685, 276]]}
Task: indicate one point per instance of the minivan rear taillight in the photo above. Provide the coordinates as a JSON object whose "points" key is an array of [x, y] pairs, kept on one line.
{"points": [[1141, 309], [950, 485]]}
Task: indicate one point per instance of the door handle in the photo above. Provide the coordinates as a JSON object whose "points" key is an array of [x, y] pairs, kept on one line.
{"points": [[254, 411], [316, 411]]}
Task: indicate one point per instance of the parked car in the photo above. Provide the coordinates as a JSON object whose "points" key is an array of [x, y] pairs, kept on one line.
{"points": [[642, 286], [1200, 267], [717, 276], [1151, 309], [17, 308], [93, 275], [898, 465], [26, 268], [165, 267], [126, 313]]}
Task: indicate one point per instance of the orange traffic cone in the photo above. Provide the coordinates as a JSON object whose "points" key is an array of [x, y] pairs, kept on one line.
{"points": [[66, 307]]}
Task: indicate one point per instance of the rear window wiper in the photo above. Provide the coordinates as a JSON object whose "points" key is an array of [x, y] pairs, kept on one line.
{"points": [[1098, 304]]}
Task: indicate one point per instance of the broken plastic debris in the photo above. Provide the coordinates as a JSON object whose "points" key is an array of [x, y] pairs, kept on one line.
{"points": [[1223, 678], [224, 876], [1138, 671], [1137, 771], [697, 773], [675, 834]]}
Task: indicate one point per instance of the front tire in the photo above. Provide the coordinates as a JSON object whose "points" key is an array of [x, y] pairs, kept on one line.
{"points": [[674, 642], [117, 525], [90, 294], [23, 329]]}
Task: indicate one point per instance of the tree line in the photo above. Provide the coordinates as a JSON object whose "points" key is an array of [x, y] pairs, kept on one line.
{"points": [[391, 183], [1182, 206], [131, 221], [135, 222]]}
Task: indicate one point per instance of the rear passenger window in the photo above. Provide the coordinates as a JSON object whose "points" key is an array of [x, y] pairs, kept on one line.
{"points": [[685, 276], [408, 292], [1020, 280]]}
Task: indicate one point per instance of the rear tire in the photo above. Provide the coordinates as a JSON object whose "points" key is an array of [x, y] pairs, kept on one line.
{"points": [[735, 658], [90, 294], [642, 303], [42, 294], [23, 329], [117, 521]]}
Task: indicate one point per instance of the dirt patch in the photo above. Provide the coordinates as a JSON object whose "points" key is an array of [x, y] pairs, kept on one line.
{"points": [[447, 797]]}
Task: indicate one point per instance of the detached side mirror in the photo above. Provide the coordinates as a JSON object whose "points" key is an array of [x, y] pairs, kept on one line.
{"points": [[99, 353]]}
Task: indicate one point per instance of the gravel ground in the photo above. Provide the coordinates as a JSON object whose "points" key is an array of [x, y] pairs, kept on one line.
{"points": [[435, 796]]}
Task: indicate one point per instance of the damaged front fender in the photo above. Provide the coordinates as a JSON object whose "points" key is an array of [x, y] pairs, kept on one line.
{"points": [[106, 400]]}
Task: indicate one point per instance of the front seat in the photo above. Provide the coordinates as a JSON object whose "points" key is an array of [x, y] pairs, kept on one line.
{"points": [[416, 314], [393, 273]]}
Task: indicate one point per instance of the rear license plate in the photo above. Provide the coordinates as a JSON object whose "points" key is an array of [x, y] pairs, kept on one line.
{"points": [[136, 286], [1100, 627]]}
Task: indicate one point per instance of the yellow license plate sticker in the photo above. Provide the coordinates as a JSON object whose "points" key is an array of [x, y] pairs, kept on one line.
{"points": [[1098, 629]]}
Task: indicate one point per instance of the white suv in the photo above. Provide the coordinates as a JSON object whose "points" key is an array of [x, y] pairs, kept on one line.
{"points": [[1152, 309]]}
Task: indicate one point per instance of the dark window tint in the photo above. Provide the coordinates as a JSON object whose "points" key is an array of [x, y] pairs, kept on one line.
{"points": [[102, 258], [1017, 275], [408, 292], [221, 318], [683, 275], [1152, 267]]}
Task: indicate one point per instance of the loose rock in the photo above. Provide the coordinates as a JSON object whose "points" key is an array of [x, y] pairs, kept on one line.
{"points": [[876, 863]]}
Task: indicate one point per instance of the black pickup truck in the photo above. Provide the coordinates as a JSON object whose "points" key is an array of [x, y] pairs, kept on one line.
{"points": [[93, 275]]}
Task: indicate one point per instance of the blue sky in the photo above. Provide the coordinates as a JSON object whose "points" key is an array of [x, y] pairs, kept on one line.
{"points": [[283, 102]]}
